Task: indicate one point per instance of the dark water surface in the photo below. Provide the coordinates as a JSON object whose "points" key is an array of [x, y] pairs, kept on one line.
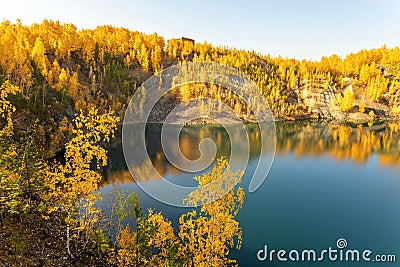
{"points": [[327, 182]]}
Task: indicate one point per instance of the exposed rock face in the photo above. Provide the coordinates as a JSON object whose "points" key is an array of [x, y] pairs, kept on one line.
{"points": [[319, 96], [339, 115], [358, 117]]}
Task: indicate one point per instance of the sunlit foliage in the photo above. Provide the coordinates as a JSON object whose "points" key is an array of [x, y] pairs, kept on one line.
{"points": [[72, 185], [205, 235]]}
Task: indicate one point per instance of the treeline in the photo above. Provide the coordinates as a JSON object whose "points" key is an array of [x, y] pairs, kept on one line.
{"points": [[62, 70]]}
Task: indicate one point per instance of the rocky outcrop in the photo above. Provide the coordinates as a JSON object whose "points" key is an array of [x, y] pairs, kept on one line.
{"points": [[319, 96]]}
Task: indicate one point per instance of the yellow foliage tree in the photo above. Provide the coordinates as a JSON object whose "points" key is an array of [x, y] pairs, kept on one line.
{"points": [[361, 107], [372, 115], [6, 108], [72, 185], [208, 234], [21, 173], [38, 55], [347, 102], [205, 235], [156, 58], [143, 57], [9, 177]]}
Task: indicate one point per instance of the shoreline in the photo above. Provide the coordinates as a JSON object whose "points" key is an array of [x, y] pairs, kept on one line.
{"points": [[208, 121]]}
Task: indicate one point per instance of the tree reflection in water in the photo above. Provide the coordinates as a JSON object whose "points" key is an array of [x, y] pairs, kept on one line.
{"points": [[356, 143]]}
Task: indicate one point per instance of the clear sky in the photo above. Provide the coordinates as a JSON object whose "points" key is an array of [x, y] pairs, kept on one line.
{"points": [[301, 29]]}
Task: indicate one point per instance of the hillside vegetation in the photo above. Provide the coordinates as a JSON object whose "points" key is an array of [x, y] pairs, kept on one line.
{"points": [[61, 70]]}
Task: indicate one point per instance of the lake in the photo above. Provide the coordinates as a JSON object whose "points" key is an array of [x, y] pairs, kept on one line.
{"points": [[327, 181]]}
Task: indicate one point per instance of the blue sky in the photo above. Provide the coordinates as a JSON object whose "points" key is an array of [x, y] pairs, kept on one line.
{"points": [[300, 29]]}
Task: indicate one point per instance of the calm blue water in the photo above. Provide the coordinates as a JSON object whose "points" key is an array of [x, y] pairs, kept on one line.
{"points": [[326, 182]]}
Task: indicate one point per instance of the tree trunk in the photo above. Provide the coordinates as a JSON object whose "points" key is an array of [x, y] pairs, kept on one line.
{"points": [[43, 95], [69, 254]]}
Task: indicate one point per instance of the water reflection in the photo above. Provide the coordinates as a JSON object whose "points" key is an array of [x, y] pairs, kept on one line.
{"points": [[342, 142], [356, 143]]}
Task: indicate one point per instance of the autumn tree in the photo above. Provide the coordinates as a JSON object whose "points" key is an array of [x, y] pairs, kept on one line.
{"points": [[143, 57], [208, 234], [156, 58], [72, 185], [21, 171], [361, 107], [9, 176], [38, 55], [347, 101]]}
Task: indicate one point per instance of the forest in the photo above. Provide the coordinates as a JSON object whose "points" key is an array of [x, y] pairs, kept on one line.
{"points": [[60, 71], [63, 95]]}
